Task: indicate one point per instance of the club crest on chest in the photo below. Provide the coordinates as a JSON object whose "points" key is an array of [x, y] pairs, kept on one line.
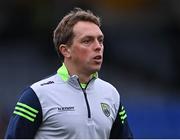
{"points": [[106, 109]]}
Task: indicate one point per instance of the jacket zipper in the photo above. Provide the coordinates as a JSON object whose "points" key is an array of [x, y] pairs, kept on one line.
{"points": [[87, 103], [85, 96]]}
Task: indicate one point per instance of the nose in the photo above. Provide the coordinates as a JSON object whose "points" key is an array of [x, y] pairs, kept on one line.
{"points": [[98, 46]]}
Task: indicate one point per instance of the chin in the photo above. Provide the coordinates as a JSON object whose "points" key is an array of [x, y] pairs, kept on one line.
{"points": [[96, 69]]}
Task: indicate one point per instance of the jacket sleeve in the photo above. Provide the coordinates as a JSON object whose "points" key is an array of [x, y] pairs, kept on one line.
{"points": [[26, 117], [120, 128]]}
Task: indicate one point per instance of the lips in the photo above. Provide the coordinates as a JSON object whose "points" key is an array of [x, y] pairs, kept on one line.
{"points": [[98, 57]]}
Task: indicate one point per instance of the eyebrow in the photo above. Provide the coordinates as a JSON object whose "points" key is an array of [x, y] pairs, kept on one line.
{"points": [[91, 36]]}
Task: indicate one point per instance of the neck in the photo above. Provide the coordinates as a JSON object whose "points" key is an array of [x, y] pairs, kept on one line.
{"points": [[83, 77]]}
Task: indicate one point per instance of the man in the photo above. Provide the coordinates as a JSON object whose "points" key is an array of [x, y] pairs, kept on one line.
{"points": [[73, 103]]}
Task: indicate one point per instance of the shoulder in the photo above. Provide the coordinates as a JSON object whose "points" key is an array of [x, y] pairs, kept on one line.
{"points": [[46, 83], [47, 88], [105, 84], [27, 94], [107, 88]]}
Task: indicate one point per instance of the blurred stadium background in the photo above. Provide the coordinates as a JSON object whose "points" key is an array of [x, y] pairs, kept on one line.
{"points": [[142, 39]]}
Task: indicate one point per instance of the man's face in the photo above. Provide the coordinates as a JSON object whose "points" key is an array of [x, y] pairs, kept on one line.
{"points": [[87, 48]]}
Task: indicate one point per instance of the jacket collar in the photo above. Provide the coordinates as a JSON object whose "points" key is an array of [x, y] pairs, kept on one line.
{"points": [[72, 80]]}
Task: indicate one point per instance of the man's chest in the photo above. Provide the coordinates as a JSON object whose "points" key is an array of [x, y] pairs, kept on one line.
{"points": [[69, 110]]}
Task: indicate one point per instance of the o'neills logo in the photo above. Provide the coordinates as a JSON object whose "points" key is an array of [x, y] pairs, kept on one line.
{"points": [[70, 108], [106, 109]]}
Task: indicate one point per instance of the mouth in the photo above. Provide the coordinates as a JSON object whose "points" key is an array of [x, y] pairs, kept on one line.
{"points": [[98, 58]]}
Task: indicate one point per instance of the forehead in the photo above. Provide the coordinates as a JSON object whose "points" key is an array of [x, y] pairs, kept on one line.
{"points": [[84, 28]]}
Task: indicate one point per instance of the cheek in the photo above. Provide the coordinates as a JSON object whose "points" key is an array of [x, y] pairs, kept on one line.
{"points": [[79, 56], [82, 53]]}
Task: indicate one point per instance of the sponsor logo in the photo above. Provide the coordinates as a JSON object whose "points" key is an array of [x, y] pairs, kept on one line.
{"points": [[70, 108], [106, 109], [47, 83]]}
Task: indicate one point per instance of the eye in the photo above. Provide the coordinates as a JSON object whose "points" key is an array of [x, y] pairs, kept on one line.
{"points": [[101, 40], [86, 41]]}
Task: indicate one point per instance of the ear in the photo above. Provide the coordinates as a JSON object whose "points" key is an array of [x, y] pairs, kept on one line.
{"points": [[64, 49]]}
